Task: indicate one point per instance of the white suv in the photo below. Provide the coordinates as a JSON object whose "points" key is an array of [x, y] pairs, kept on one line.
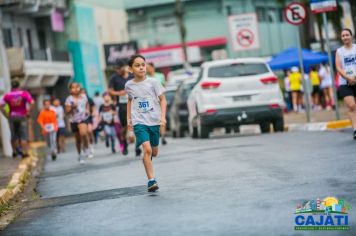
{"points": [[233, 92]]}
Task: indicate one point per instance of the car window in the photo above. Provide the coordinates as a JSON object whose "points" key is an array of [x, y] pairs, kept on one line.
{"points": [[237, 69]]}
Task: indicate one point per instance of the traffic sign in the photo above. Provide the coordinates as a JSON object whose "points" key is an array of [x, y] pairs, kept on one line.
{"points": [[245, 37], [320, 6], [244, 32], [295, 13]]}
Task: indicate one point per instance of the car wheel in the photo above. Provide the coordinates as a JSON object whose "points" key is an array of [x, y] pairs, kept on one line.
{"points": [[203, 130], [265, 127], [228, 130], [278, 125]]}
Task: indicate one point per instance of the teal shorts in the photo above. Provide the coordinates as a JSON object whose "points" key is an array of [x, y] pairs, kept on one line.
{"points": [[146, 133]]}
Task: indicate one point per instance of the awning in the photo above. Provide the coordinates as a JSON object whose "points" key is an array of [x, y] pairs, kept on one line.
{"points": [[198, 43]]}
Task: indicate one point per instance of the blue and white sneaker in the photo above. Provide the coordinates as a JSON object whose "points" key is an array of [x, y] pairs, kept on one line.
{"points": [[152, 186]]}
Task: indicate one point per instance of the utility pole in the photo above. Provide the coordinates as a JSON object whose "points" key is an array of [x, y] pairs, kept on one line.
{"points": [[182, 30], [4, 87]]}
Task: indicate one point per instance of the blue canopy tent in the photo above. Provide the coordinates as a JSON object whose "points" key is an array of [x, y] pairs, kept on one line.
{"points": [[289, 58]]}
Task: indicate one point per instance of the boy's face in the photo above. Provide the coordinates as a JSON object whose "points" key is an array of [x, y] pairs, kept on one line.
{"points": [[139, 67], [107, 98], [56, 102], [46, 105], [346, 37]]}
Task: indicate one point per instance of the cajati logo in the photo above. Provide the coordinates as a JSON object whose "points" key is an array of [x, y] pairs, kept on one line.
{"points": [[327, 214]]}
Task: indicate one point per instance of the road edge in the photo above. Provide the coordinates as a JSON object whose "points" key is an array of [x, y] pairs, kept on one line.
{"points": [[319, 126]]}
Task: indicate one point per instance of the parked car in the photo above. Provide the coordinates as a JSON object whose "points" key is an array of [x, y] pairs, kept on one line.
{"points": [[177, 76], [233, 92], [170, 91], [178, 112]]}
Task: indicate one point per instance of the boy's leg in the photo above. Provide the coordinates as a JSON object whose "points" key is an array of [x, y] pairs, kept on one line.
{"points": [[147, 153], [154, 151], [54, 142], [113, 136]]}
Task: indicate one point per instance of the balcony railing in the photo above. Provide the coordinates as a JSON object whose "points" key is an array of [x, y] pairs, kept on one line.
{"points": [[23, 4], [46, 55]]}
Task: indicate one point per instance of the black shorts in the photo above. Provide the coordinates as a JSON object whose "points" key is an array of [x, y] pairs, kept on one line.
{"points": [[61, 131], [18, 128], [123, 114], [74, 126], [316, 90], [346, 90]]}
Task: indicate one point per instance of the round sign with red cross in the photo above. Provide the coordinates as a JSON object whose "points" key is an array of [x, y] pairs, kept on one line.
{"points": [[295, 13], [245, 37]]}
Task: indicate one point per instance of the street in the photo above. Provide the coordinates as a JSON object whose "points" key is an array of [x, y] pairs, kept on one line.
{"points": [[227, 185]]}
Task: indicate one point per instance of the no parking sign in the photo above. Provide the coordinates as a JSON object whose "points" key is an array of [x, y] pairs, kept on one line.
{"points": [[244, 32]]}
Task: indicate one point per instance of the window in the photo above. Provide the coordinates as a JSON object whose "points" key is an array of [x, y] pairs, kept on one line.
{"points": [[237, 69], [269, 14], [137, 28], [7, 34], [166, 24]]}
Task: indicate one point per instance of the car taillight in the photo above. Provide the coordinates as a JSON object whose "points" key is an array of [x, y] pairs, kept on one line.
{"points": [[211, 111], [274, 106], [210, 85], [269, 80]]}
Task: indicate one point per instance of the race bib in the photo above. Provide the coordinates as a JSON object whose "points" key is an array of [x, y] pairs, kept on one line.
{"points": [[123, 99], [144, 105], [49, 127]]}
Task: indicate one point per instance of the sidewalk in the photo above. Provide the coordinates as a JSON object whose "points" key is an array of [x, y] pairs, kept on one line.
{"points": [[8, 166]]}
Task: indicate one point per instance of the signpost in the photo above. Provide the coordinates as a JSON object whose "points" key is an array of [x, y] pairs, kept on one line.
{"points": [[244, 32], [296, 14], [323, 6]]}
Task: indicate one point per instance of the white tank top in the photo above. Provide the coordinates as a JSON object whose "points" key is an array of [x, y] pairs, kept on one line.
{"points": [[348, 61]]}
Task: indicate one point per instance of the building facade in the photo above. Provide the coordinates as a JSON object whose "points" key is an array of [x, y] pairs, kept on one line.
{"points": [[153, 25]]}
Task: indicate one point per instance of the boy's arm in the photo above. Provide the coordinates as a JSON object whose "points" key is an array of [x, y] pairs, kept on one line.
{"points": [[163, 104], [129, 120]]}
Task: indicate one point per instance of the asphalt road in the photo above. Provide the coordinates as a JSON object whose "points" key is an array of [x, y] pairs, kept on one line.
{"points": [[227, 185]]}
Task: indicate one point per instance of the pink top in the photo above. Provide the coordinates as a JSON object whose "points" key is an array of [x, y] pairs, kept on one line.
{"points": [[17, 100]]}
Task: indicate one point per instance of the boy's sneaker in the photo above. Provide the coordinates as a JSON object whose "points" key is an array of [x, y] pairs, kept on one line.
{"points": [[125, 152], [89, 153], [355, 134], [138, 152], [54, 156], [152, 186], [81, 159]]}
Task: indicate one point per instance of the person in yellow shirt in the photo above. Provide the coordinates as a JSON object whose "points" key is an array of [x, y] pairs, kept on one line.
{"points": [[315, 81], [295, 80]]}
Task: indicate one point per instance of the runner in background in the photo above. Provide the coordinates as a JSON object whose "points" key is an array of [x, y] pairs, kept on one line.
{"points": [[315, 81], [48, 121], [295, 79], [90, 122], [78, 108], [20, 104], [98, 101], [326, 86], [61, 139], [346, 66], [117, 90], [151, 73], [107, 113]]}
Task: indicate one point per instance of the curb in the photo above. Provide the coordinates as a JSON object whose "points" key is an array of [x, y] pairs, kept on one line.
{"points": [[319, 126], [20, 177]]}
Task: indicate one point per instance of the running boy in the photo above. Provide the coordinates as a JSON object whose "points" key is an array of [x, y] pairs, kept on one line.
{"points": [[146, 112], [48, 121], [107, 113], [61, 125], [78, 107]]}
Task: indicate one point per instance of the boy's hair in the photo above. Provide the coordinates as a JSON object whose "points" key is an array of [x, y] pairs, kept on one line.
{"points": [[46, 100], [347, 29], [15, 84], [133, 58]]}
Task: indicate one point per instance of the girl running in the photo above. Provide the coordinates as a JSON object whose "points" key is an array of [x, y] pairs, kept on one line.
{"points": [[146, 112], [346, 66], [78, 108], [107, 113], [61, 125]]}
